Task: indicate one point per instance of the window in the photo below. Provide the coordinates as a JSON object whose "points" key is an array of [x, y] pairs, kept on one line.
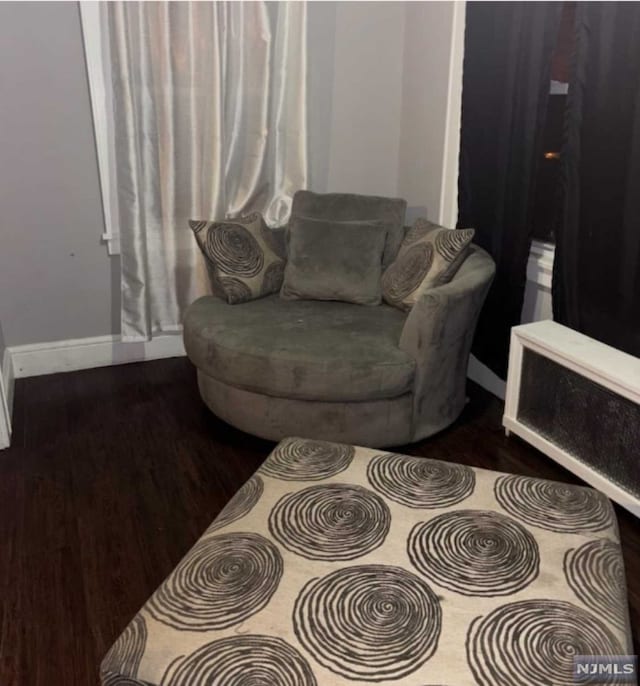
{"points": [[547, 210]]}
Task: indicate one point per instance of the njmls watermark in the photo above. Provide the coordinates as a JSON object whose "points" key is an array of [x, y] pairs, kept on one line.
{"points": [[605, 669]]}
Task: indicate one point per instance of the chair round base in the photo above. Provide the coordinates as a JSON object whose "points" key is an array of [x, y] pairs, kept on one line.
{"points": [[373, 423]]}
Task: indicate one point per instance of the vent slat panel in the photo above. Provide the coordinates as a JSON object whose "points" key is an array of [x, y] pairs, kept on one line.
{"points": [[586, 420]]}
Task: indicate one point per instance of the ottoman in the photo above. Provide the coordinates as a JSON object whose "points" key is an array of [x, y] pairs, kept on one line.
{"points": [[336, 565]]}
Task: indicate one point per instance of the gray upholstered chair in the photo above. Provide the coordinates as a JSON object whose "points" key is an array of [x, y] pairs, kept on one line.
{"points": [[373, 376]]}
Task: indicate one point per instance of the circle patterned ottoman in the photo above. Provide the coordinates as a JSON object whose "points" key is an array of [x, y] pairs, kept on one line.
{"points": [[338, 565]]}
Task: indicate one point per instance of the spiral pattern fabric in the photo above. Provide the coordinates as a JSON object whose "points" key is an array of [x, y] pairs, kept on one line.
{"points": [[241, 504], [429, 256], [450, 244], [126, 653], [331, 522], [404, 276], [419, 230], [297, 459], [419, 482], [251, 660], [236, 290], [272, 278], [475, 553], [553, 506], [234, 250], [534, 642], [224, 579], [595, 573], [242, 257], [337, 565], [370, 622]]}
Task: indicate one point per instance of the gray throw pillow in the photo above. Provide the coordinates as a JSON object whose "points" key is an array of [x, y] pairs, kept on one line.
{"points": [[242, 256], [429, 256], [343, 207], [330, 260]]}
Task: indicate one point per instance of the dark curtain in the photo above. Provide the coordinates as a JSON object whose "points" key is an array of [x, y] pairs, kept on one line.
{"points": [[596, 287], [506, 75]]}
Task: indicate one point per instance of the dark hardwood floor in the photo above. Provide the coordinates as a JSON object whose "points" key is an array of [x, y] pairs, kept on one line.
{"points": [[114, 473]]}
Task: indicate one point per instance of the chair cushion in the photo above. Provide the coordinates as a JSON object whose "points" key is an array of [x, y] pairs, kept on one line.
{"points": [[350, 206], [300, 349], [329, 260]]}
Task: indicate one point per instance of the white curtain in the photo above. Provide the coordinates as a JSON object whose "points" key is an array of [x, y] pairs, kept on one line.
{"points": [[209, 120]]}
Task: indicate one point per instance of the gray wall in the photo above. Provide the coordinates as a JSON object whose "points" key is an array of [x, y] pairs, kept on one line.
{"points": [[385, 106], [366, 95], [321, 35], [425, 97], [55, 276]]}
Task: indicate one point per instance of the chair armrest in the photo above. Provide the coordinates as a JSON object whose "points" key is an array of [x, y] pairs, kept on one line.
{"points": [[438, 334]]}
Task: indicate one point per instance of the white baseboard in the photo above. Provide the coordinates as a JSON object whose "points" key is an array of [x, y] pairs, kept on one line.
{"points": [[87, 353], [9, 380], [6, 399], [73, 355], [483, 376]]}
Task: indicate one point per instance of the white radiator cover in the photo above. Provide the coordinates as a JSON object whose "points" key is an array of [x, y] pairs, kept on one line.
{"points": [[612, 372]]}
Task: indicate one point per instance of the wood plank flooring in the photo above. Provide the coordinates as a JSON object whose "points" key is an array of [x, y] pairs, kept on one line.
{"points": [[114, 473]]}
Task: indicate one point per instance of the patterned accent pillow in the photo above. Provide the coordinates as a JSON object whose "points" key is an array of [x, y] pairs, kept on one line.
{"points": [[429, 256], [243, 257]]}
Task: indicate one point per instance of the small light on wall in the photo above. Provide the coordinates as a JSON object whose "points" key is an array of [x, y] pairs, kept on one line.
{"points": [[552, 156]]}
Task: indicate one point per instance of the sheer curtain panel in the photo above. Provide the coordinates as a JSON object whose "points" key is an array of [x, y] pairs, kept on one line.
{"points": [[208, 104]]}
